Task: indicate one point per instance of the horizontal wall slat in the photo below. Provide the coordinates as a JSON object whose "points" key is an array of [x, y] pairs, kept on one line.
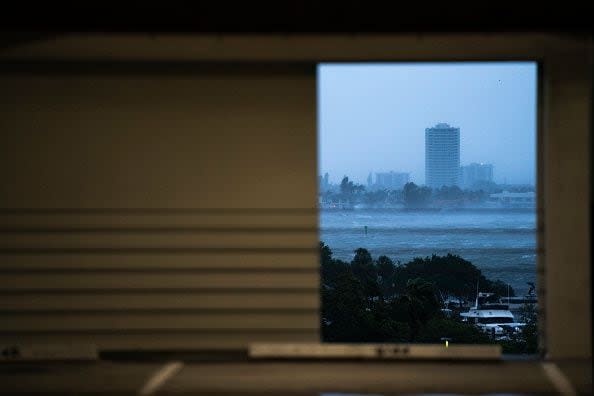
{"points": [[158, 219], [147, 340], [166, 261], [154, 301], [96, 240], [40, 322], [187, 234], [155, 281]]}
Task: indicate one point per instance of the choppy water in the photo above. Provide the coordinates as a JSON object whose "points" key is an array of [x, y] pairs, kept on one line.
{"points": [[501, 243]]}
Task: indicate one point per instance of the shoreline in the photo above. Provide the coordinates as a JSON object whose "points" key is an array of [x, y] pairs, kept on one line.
{"points": [[434, 210]]}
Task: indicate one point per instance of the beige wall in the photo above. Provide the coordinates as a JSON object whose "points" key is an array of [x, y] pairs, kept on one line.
{"points": [[236, 137], [566, 270], [205, 140], [160, 208]]}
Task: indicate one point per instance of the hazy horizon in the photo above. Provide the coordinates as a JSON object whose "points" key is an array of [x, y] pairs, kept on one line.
{"points": [[372, 117]]}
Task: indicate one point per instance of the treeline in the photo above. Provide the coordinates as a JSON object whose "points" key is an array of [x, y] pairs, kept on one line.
{"points": [[414, 196], [377, 300], [410, 195]]}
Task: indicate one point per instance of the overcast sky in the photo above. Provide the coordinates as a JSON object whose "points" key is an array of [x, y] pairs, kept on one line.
{"points": [[372, 117]]}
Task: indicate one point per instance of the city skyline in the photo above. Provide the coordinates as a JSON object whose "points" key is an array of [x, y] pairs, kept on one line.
{"points": [[469, 173], [372, 117]]}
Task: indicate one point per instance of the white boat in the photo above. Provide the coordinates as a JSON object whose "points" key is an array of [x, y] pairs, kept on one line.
{"points": [[517, 304], [492, 317]]}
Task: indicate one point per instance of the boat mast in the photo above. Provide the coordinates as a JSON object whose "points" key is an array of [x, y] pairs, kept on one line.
{"points": [[477, 294]]}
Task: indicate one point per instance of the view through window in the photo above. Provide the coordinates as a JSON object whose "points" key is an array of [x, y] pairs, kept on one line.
{"points": [[427, 203]]}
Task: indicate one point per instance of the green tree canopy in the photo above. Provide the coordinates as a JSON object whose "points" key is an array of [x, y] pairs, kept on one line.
{"points": [[385, 270], [331, 269], [365, 270], [348, 188], [415, 196], [358, 305], [438, 328], [451, 275], [420, 302], [449, 193], [344, 311]]}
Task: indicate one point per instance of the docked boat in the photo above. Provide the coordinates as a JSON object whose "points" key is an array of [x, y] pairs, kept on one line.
{"points": [[492, 317], [517, 304]]}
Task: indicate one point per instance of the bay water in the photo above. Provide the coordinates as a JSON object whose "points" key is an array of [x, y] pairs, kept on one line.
{"points": [[500, 242]]}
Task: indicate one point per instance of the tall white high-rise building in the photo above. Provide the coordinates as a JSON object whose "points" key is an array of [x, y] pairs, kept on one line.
{"points": [[442, 156]]}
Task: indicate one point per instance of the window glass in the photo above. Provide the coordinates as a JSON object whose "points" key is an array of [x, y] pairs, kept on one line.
{"points": [[428, 203]]}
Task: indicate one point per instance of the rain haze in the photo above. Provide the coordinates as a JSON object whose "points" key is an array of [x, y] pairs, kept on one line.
{"points": [[372, 117]]}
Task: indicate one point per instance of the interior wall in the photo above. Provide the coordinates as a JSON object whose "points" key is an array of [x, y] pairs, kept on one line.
{"points": [[565, 188], [158, 207], [71, 212]]}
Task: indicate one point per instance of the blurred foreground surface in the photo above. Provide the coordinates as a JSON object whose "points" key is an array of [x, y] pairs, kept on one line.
{"points": [[293, 378]]}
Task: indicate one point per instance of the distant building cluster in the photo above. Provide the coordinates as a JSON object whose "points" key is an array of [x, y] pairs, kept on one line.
{"points": [[513, 199], [388, 180], [324, 182], [442, 161], [442, 166], [383, 181], [471, 175]]}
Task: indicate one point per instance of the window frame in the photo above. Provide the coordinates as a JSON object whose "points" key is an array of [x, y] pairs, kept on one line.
{"points": [[564, 128], [564, 108], [539, 269]]}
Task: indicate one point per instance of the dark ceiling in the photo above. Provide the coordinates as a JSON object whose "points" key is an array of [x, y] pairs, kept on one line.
{"points": [[295, 17]]}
